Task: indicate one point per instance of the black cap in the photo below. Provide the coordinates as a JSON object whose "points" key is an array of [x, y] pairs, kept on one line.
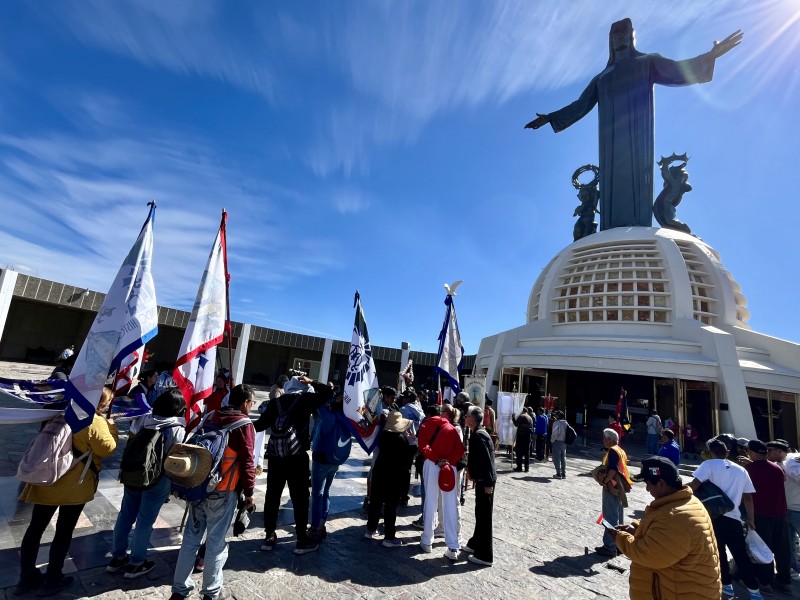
{"points": [[779, 445], [659, 467], [757, 446]]}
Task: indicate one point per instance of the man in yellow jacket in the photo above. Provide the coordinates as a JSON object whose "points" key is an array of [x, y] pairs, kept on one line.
{"points": [[673, 550]]}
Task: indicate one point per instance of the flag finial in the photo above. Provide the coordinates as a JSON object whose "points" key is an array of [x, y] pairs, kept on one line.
{"points": [[356, 298], [451, 289]]}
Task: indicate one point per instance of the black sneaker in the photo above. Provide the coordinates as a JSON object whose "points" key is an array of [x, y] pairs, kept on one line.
{"points": [[305, 546], [177, 596], [117, 564], [603, 551], [30, 583], [51, 588], [134, 571], [269, 542]]}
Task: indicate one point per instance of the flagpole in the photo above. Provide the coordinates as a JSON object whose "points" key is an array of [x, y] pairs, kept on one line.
{"points": [[228, 330]]}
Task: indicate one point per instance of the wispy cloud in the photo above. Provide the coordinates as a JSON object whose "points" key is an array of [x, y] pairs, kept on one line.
{"points": [[80, 199], [184, 36]]}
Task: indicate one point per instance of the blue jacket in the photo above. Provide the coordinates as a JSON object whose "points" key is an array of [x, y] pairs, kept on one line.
{"points": [[672, 451], [541, 424]]}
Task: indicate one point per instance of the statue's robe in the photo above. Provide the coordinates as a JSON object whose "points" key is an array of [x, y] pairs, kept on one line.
{"points": [[624, 95]]}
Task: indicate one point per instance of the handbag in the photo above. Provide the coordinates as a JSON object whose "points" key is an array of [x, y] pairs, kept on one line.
{"points": [[757, 549], [714, 499]]}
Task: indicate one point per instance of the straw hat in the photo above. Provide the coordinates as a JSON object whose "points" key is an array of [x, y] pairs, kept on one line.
{"points": [[396, 423], [188, 465]]}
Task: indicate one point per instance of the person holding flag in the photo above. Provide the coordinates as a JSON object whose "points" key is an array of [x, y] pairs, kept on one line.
{"points": [[195, 368]]}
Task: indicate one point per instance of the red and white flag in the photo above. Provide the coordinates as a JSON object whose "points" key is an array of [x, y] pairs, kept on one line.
{"points": [[195, 369]]}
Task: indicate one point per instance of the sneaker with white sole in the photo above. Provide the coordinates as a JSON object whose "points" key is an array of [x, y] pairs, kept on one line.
{"points": [[118, 564], [269, 542], [451, 554], [438, 533], [371, 535], [727, 590], [426, 548], [395, 543], [467, 549], [478, 561], [418, 524], [134, 571]]}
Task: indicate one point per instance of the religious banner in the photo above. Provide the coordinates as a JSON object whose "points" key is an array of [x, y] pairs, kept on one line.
{"points": [[126, 321], [362, 399], [196, 366], [451, 352], [475, 387]]}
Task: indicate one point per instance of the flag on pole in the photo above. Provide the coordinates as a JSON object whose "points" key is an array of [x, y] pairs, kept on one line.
{"points": [[451, 352], [623, 414], [129, 369], [362, 398], [126, 321], [195, 369]]}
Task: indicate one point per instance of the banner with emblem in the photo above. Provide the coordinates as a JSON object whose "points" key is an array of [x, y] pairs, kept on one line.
{"points": [[362, 398], [126, 321], [197, 358], [451, 352]]}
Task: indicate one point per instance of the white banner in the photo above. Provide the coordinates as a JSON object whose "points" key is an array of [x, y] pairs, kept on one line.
{"points": [[127, 320]]}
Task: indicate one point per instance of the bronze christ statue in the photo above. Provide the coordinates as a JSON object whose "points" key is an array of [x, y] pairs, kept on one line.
{"points": [[623, 92]]}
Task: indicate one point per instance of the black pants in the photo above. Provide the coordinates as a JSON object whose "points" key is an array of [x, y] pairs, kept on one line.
{"points": [[389, 504], [65, 526], [523, 448], [481, 540], [730, 534], [412, 453], [540, 443], [294, 471], [775, 533]]}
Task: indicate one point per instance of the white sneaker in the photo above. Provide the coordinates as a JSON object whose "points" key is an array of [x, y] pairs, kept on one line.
{"points": [[451, 554], [426, 548], [438, 533], [371, 535]]}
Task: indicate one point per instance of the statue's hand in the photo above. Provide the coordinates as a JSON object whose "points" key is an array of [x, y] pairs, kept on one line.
{"points": [[728, 44], [538, 121]]}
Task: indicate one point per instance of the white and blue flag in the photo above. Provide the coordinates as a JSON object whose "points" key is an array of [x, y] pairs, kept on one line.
{"points": [[451, 352], [126, 321]]}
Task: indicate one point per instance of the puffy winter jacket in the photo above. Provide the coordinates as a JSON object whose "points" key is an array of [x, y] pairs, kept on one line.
{"points": [[673, 552]]}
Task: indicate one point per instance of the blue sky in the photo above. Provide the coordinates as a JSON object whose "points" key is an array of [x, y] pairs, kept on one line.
{"points": [[375, 145]]}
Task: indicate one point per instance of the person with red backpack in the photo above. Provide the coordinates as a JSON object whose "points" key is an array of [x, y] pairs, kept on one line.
{"points": [[68, 495], [214, 514]]}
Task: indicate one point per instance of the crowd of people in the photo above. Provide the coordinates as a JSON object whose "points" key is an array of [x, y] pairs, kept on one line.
{"points": [[677, 549]]}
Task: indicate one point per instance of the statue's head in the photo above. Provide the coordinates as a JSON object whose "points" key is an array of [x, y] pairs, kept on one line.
{"points": [[621, 37]]}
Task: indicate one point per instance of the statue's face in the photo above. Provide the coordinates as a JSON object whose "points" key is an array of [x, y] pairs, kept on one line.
{"points": [[621, 35]]}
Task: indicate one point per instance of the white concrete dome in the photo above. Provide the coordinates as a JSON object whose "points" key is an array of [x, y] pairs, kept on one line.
{"points": [[636, 276]]}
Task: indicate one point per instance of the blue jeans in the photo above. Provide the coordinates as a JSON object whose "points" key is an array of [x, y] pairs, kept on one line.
{"points": [[560, 456], [213, 515], [794, 531], [652, 443], [613, 513], [141, 507], [321, 480]]}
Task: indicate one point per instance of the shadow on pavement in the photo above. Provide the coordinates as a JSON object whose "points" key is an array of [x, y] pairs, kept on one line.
{"points": [[569, 566]]}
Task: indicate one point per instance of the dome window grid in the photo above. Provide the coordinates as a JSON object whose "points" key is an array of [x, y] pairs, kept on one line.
{"points": [[703, 300], [625, 283]]}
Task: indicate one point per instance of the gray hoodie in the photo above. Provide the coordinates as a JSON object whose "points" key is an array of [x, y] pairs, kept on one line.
{"points": [[174, 428]]}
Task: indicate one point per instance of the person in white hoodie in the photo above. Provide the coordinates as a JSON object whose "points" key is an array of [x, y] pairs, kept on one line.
{"points": [[141, 506]]}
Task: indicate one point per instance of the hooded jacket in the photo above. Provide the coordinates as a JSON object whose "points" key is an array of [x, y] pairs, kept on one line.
{"points": [[173, 428], [673, 552], [447, 444]]}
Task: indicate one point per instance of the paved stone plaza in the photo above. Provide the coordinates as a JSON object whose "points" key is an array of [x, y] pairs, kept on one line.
{"points": [[542, 529]]}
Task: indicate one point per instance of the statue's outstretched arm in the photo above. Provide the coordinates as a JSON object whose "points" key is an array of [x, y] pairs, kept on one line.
{"points": [[728, 44], [538, 121]]}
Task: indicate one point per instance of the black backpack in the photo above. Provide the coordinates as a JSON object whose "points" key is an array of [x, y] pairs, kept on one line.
{"points": [[143, 460], [283, 440], [570, 435]]}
